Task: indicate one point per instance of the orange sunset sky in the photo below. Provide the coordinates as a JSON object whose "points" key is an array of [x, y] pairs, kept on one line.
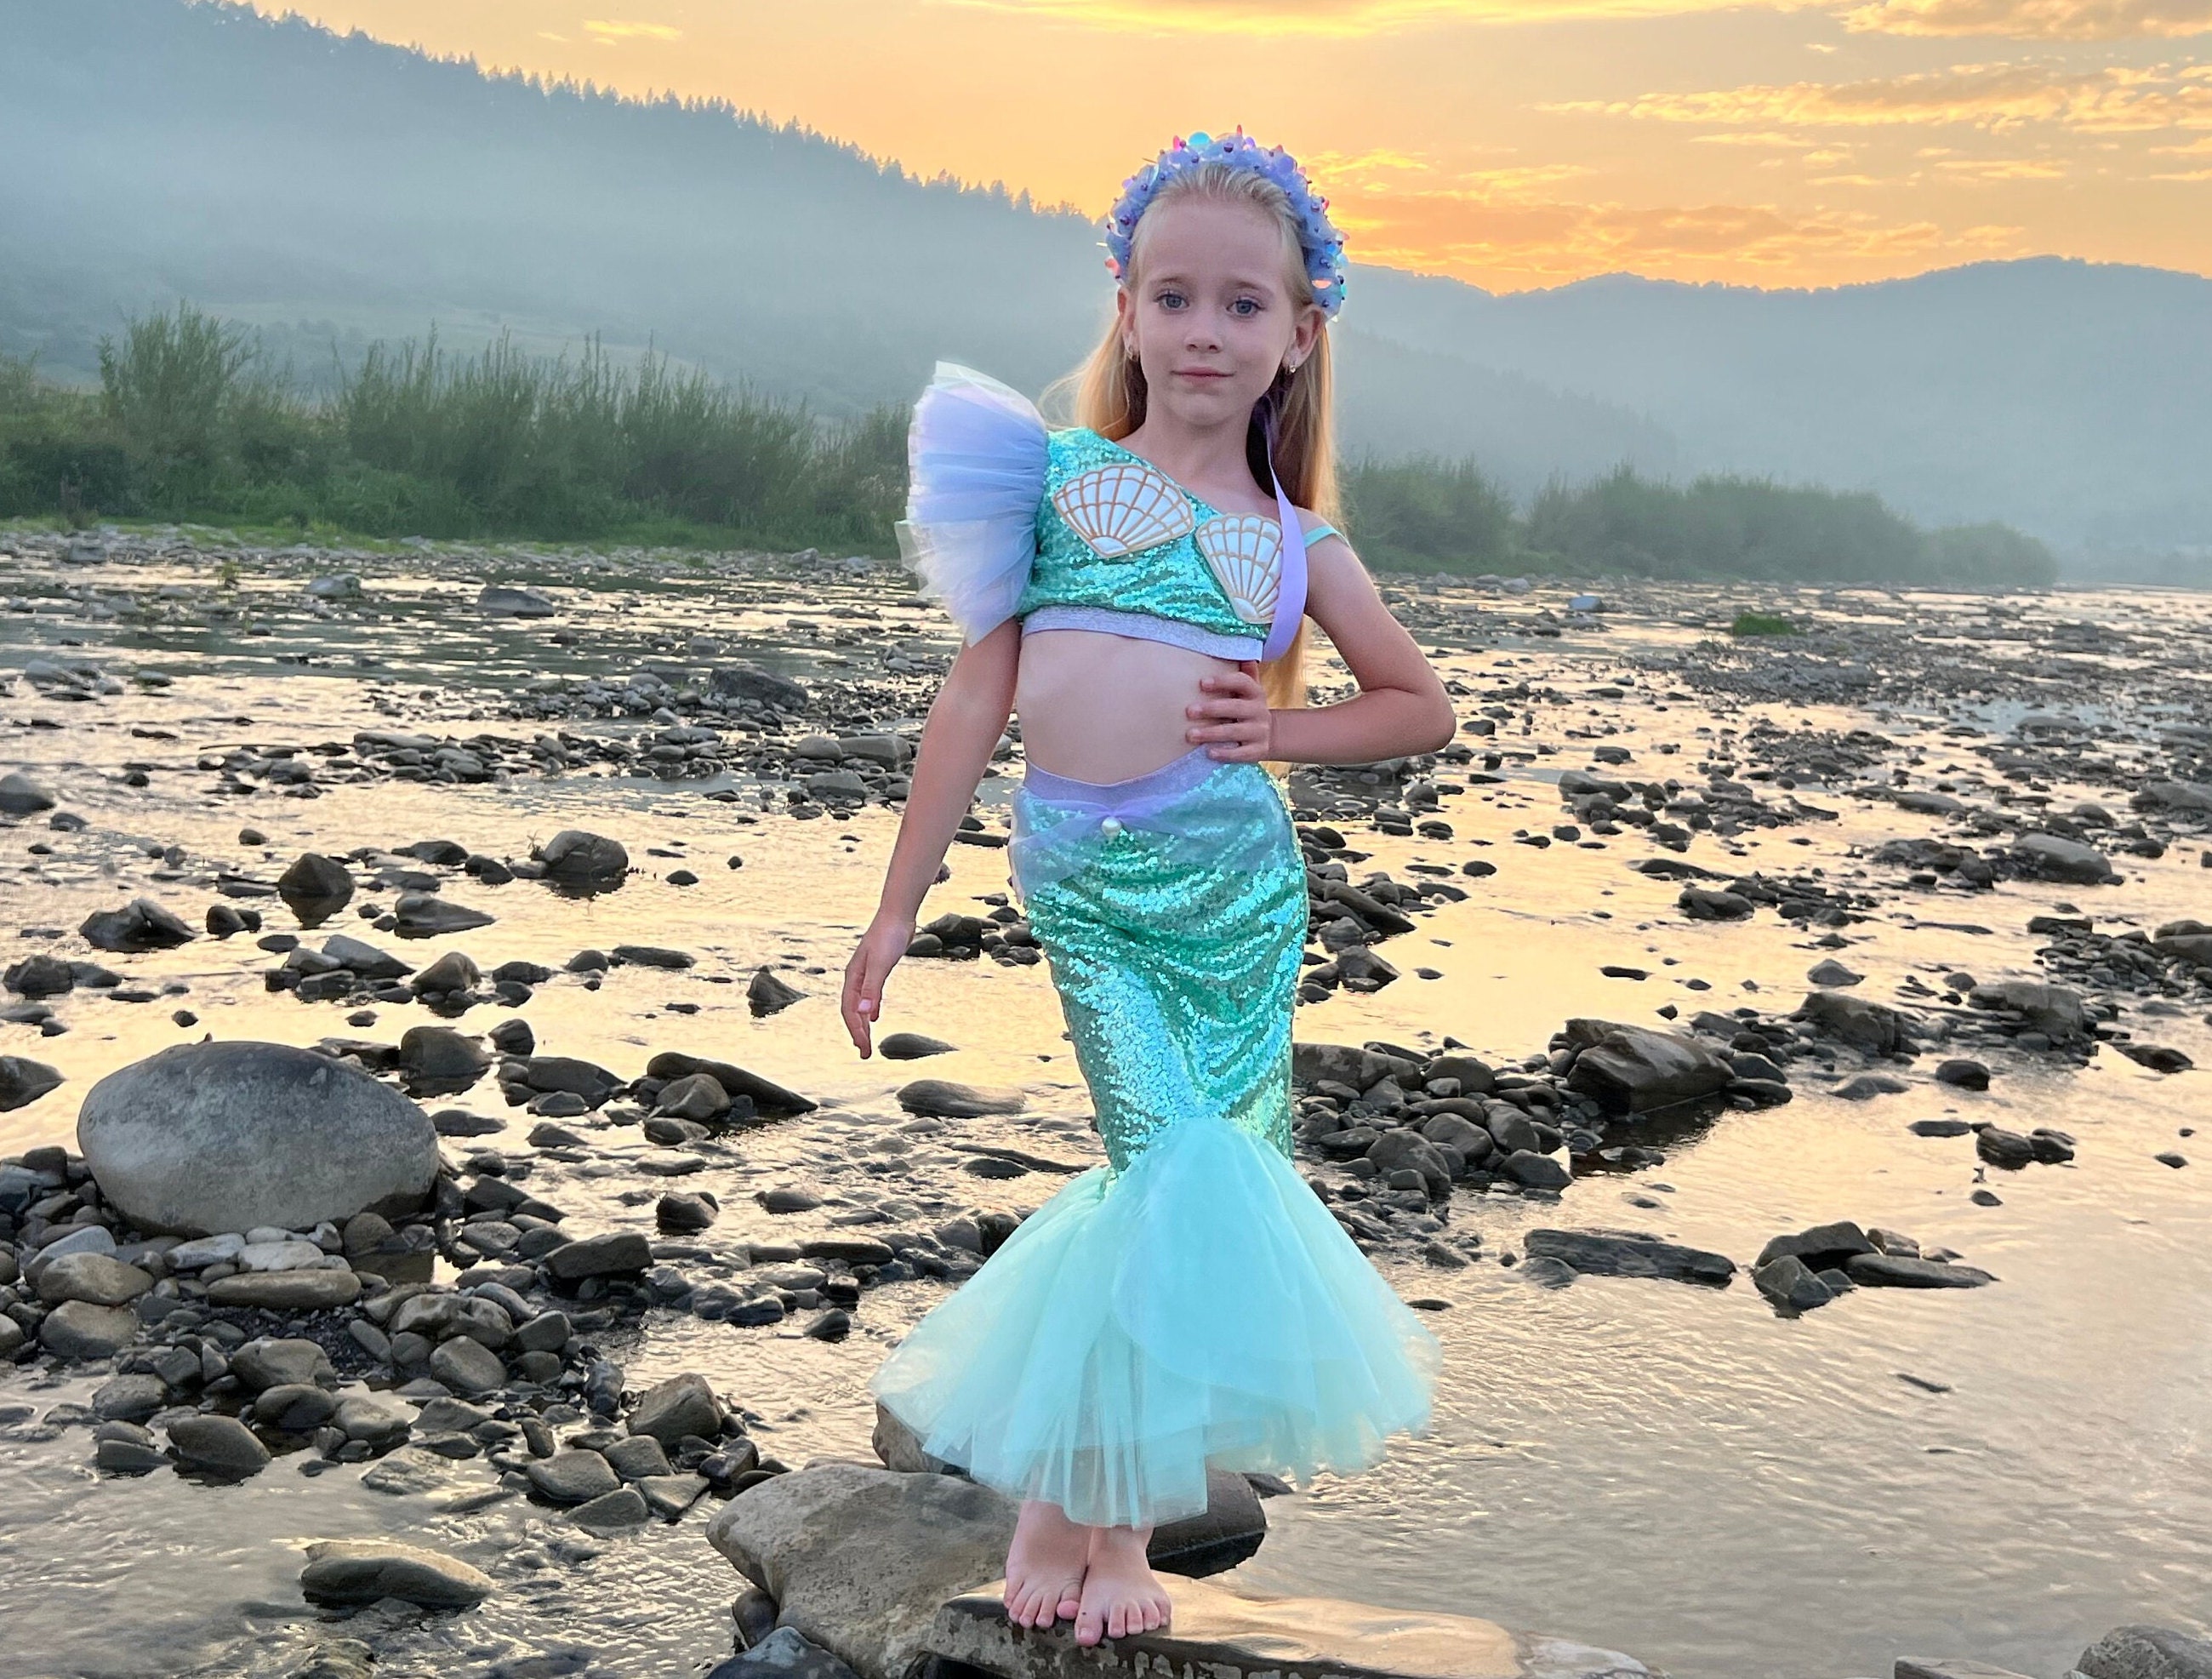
{"points": [[1509, 143]]}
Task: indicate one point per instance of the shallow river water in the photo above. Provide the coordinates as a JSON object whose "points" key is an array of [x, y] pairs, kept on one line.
{"points": [[1672, 1471]]}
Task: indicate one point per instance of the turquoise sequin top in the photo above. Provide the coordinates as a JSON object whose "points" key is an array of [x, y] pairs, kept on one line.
{"points": [[1066, 530], [1162, 589]]}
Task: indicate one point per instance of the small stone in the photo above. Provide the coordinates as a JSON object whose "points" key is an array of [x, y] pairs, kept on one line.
{"points": [[79, 1330], [362, 1571], [92, 1277], [611, 1512], [294, 1408], [467, 1366], [637, 1457], [668, 1496], [140, 925], [129, 1398], [682, 1405], [218, 1446], [768, 995], [1963, 1073], [912, 1046], [270, 1362], [287, 1291], [548, 1332], [574, 1477], [683, 1214], [617, 1253], [941, 1098]]}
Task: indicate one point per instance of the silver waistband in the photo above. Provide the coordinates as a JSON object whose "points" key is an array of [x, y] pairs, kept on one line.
{"points": [[1143, 627]]}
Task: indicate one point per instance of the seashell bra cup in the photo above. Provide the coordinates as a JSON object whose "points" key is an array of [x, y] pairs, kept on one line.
{"points": [[1124, 548]]}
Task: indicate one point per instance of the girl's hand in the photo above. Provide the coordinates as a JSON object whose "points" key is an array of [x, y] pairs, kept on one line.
{"points": [[1233, 718], [879, 950]]}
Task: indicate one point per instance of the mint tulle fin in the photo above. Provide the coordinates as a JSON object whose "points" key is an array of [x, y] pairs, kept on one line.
{"points": [[977, 458], [1201, 1307]]}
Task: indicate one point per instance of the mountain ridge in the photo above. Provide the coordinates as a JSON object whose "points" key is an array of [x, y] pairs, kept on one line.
{"points": [[281, 174]]}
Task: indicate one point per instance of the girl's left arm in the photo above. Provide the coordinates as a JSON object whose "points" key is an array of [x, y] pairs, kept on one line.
{"points": [[1402, 706]]}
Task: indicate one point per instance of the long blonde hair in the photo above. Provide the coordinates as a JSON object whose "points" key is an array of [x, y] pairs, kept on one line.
{"points": [[1109, 394]]}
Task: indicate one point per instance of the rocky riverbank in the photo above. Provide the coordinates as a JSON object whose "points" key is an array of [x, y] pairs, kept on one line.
{"points": [[537, 868]]}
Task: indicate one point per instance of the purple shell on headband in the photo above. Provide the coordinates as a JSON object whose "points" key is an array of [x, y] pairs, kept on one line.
{"points": [[1317, 236]]}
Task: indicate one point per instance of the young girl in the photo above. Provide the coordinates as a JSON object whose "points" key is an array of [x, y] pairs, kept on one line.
{"points": [[1135, 589]]}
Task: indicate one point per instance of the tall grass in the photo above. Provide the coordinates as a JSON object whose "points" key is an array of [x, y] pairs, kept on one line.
{"points": [[191, 421]]}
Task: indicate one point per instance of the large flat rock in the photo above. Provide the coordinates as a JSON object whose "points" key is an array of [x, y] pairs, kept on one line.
{"points": [[859, 1558], [1223, 1635]]}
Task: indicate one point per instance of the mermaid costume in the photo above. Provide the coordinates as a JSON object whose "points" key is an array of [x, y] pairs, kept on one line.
{"points": [[1192, 1302]]}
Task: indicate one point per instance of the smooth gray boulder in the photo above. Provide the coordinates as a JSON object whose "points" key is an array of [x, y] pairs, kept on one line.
{"points": [[769, 1098], [2053, 1010], [22, 796], [79, 1330], [320, 882], [1634, 1070], [94, 1278], [751, 682], [942, 1098], [23, 1081], [2147, 1653], [1865, 1025], [574, 855], [1227, 1634], [2054, 858], [204, 1138], [503, 601], [681, 1405], [1628, 1253], [361, 1571], [427, 916], [140, 925], [218, 1446]]}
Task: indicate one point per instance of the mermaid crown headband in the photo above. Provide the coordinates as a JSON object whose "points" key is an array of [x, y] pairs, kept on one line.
{"points": [[1317, 236]]}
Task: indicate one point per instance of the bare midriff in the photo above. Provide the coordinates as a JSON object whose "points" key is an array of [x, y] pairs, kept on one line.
{"points": [[1101, 707]]}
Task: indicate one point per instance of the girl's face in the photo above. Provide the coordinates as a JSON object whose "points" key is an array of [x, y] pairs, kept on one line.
{"points": [[1209, 318]]}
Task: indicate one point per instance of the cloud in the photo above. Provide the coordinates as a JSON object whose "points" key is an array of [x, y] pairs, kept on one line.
{"points": [[2113, 100], [2035, 20], [1339, 17], [1502, 226], [607, 32]]}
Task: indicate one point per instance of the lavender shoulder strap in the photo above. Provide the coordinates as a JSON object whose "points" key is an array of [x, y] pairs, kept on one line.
{"points": [[1290, 596]]}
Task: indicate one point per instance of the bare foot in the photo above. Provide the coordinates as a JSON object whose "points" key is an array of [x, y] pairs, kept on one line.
{"points": [[1120, 1596], [1044, 1566]]}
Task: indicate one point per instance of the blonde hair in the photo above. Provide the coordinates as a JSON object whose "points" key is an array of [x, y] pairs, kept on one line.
{"points": [[1109, 394]]}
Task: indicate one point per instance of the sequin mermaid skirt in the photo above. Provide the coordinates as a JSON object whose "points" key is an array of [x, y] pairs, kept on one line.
{"points": [[1191, 1303]]}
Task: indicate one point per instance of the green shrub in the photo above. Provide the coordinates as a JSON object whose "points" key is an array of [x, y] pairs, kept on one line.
{"points": [[1762, 624]]}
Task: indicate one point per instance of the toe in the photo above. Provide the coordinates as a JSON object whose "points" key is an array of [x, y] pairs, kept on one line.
{"points": [[1088, 1627]]}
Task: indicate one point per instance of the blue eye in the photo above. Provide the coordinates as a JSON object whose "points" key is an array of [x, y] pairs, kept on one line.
{"points": [[1247, 306], [1171, 300]]}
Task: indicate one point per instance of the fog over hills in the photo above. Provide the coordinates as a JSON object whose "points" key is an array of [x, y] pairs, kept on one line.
{"points": [[333, 190]]}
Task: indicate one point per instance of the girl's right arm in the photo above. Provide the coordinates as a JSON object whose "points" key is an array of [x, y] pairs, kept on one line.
{"points": [[965, 725]]}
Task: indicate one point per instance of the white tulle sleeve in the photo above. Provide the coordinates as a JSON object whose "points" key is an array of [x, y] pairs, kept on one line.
{"points": [[976, 458]]}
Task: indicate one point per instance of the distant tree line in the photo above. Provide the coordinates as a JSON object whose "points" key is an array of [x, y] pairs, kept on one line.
{"points": [[1437, 515], [191, 423]]}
